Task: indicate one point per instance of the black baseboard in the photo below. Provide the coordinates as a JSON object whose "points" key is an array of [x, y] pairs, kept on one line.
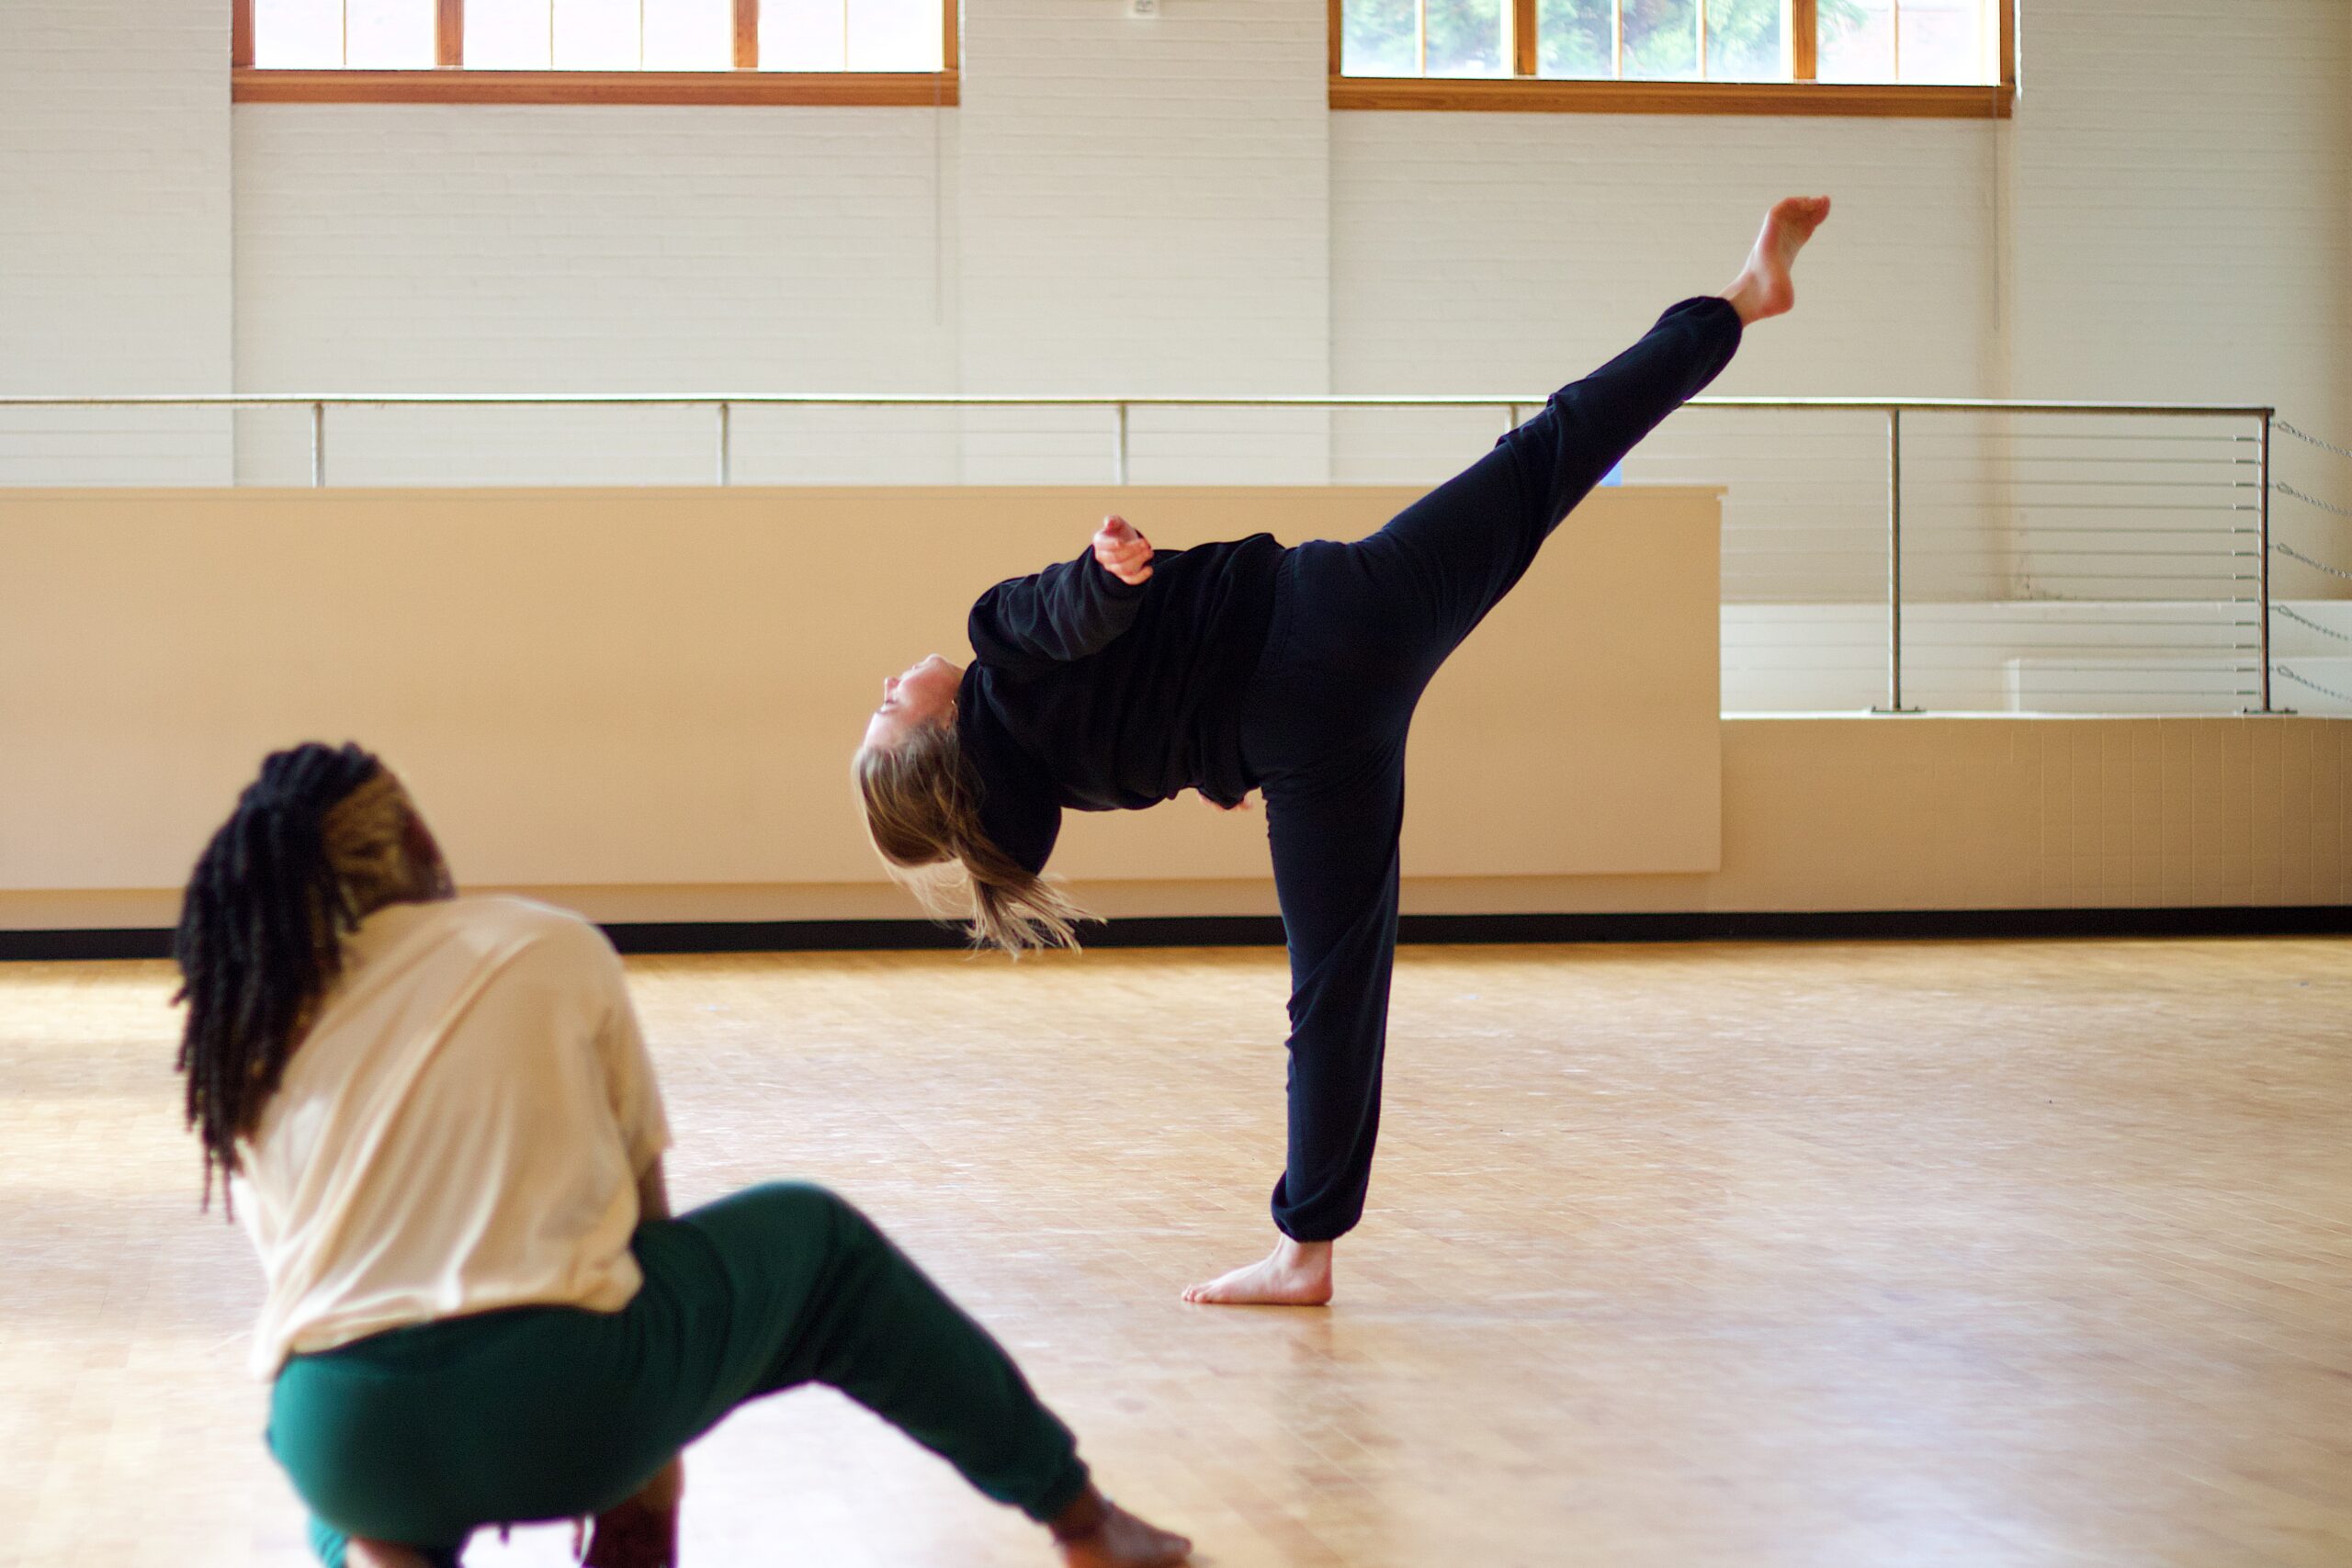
{"points": [[1265, 930]]}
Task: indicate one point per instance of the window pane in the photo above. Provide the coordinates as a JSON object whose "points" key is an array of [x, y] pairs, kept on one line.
{"points": [[1856, 40], [389, 35], [507, 35], [1661, 39], [1376, 39], [802, 35], [895, 35], [1943, 40], [1466, 37], [1575, 37], [1744, 41], [690, 35], [298, 34], [596, 35]]}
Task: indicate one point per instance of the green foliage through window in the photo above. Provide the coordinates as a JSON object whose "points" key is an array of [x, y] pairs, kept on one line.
{"points": [[1745, 41]]}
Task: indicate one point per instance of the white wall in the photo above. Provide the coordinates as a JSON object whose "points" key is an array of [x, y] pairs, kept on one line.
{"points": [[474, 248], [115, 195], [1166, 205], [1144, 207]]}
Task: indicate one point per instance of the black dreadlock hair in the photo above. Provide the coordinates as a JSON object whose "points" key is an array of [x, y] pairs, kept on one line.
{"points": [[259, 942]]}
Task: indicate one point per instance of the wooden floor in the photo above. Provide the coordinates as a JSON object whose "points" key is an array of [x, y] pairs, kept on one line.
{"points": [[1972, 1253]]}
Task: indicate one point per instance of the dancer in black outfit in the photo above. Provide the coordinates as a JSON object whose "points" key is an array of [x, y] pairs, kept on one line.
{"points": [[1119, 679]]}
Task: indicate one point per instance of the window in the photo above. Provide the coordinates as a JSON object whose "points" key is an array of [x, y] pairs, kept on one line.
{"points": [[842, 51], [1894, 57]]}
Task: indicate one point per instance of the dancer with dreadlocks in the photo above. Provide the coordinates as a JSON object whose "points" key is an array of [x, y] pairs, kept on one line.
{"points": [[445, 1139], [1122, 678]]}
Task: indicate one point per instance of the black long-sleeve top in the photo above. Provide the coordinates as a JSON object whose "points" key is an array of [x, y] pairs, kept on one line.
{"points": [[1089, 693]]}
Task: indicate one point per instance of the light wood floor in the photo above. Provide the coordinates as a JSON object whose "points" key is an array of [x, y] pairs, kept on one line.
{"points": [[1976, 1253]]}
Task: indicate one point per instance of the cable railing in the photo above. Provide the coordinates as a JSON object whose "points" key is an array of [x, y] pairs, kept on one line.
{"points": [[1886, 554]]}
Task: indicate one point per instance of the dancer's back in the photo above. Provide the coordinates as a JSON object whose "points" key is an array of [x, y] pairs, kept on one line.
{"points": [[461, 1130]]}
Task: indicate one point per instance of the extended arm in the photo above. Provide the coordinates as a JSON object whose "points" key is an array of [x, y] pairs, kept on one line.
{"points": [[1070, 610]]}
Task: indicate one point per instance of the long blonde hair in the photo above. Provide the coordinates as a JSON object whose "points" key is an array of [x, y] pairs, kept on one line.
{"points": [[922, 809]]}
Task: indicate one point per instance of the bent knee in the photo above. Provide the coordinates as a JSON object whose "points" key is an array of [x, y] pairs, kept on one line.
{"points": [[806, 1206]]}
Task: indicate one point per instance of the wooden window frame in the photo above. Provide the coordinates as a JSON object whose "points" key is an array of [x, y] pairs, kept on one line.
{"points": [[451, 82], [1525, 92]]}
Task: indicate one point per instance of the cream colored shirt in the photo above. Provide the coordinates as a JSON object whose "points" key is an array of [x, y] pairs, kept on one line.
{"points": [[462, 1129]]}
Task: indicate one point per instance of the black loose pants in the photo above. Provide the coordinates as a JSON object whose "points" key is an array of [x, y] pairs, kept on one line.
{"points": [[1358, 630]]}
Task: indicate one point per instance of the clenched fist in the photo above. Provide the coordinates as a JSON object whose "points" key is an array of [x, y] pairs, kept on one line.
{"points": [[1122, 552]]}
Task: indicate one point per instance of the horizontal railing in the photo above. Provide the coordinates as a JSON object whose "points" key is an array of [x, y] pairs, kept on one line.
{"points": [[2114, 503]]}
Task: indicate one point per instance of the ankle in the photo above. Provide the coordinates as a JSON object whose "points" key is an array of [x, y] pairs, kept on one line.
{"points": [[1083, 1516], [1303, 1257]]}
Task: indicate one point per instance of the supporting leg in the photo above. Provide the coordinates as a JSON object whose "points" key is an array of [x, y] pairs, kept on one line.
{"points": [[1335, 850]]}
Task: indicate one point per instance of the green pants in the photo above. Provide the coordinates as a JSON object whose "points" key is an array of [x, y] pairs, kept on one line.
{"points": [[420, 1435]]}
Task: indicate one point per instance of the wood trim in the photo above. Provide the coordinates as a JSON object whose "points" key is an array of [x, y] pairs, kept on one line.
{"points": [[1338, 33], [838, 88], [951, 46], [241, 35], [2009, 9], [747, 35], [1804, 39], [1549, 97], [449, 34], [1522, 37]]}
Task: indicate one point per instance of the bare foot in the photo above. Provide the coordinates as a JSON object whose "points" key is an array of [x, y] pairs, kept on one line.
{"points": [[1095, 1532], [358, 1552], [1297, 1273], [1763, 287]]}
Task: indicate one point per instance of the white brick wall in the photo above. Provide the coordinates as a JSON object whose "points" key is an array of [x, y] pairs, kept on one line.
{"points": [[114, 235], [1144, 207], [1158, 205], [433, 248], [2183, 222]]}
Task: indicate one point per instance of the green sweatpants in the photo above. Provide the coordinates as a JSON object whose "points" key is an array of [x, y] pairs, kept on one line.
{"points": [[420, 1435]]}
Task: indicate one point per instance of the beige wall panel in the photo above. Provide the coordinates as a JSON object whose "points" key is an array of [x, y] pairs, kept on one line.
{"points": [[1819, 814], [655, 688]]}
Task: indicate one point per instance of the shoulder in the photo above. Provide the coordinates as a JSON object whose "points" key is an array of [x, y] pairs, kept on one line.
{"points": [[516, 926], [1018, 809]]}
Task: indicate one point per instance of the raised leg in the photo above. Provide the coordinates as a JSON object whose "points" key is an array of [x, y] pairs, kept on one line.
{"points": [[1447, 558], [1764, 287], [1451, 557]]}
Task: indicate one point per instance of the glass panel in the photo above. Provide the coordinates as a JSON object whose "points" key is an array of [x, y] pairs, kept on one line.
{"points": [[1574, 37], [1467, 38], [1943, 40], [1376, 39], [597, 35], [1744, 41], [1856, 40], [1661, 39], [802, 35], [690, 35], [508, 35], [895, 35], [298, 35], [389, 35]]}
